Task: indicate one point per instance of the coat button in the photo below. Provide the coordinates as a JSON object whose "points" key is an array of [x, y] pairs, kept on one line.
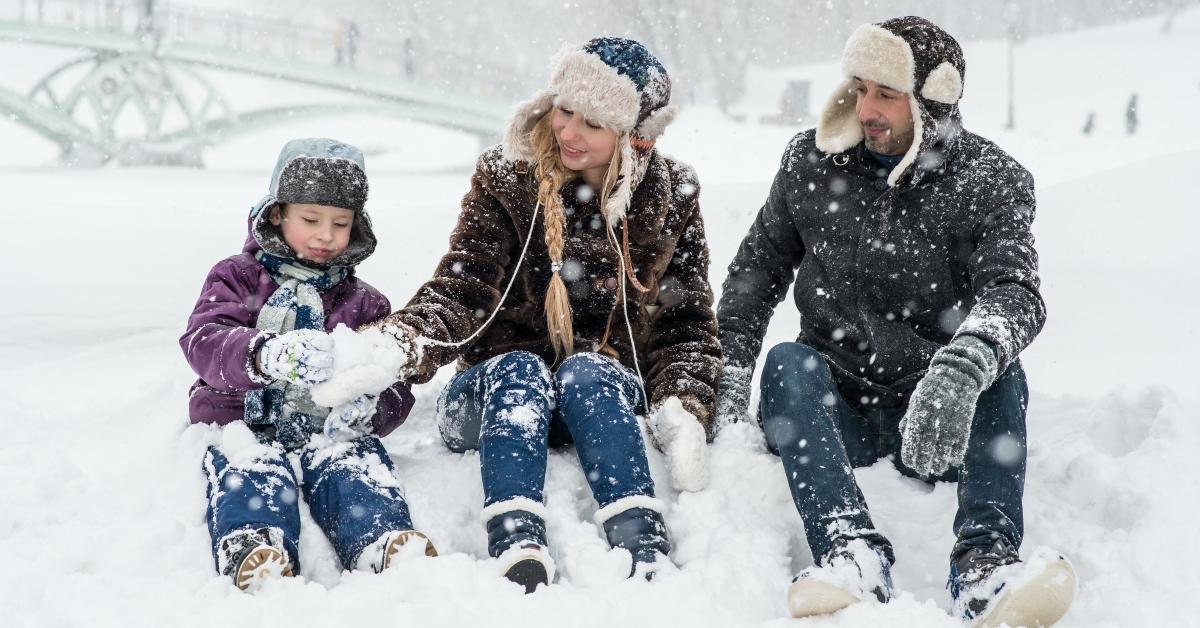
{"points": [[880, 184], [610, 283]]}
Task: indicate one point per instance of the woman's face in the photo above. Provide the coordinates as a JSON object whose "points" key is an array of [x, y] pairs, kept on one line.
{"points": [[584, 147]]}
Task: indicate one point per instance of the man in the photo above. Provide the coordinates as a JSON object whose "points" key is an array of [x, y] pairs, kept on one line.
{"points": [[909, 242]]}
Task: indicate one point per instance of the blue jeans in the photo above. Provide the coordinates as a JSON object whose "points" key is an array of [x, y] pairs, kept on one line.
{"points": [[512, 409], [341, 484], [820, 438]]}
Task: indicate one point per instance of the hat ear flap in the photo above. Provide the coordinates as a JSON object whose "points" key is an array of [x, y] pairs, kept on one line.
{"points": [[944, 84], [618, 201], [655, 123], [838, 128], [517, 146]]}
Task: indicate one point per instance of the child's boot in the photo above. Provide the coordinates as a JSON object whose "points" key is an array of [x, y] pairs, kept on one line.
{"points": [[251, 557], [383, 552], [516, 531]]}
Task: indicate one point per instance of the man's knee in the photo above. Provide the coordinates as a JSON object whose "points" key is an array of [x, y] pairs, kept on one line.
{"points": [[794, 361]]}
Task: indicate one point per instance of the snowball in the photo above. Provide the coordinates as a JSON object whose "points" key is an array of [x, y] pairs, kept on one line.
{"points": [[366, 362]]}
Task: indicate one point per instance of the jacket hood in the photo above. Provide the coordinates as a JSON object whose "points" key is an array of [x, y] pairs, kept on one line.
{"points": [[319, 171]]}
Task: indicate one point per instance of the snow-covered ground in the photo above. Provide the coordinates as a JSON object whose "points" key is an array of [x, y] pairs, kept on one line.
{"points": [[101, 495]]}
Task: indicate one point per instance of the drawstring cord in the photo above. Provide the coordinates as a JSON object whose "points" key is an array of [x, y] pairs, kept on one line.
{"points": [[423, 341]]}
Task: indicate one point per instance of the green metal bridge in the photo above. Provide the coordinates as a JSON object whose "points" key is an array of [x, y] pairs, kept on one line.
{"points": [[141, 74]]}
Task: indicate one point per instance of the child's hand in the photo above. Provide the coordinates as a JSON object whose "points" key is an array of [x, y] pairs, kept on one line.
{"points": [[351, 419], [365, 363], [303, 357]]}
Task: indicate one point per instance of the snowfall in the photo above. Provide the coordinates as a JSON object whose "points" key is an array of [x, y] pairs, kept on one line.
{"points": [[102, 497]]}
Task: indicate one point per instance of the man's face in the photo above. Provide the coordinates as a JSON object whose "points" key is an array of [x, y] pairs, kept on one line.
{"points": [[885, 117]]}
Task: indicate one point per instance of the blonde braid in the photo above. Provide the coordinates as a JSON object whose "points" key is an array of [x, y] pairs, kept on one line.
{"points": [[551, 176]]}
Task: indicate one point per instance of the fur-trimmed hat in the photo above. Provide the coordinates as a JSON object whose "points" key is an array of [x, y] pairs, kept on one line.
{"points": [[318, 171], [908, 54], [616, 83]]}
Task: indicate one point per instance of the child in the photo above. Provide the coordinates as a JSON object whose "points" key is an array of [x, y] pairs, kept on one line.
{"points": [[257, 339]]}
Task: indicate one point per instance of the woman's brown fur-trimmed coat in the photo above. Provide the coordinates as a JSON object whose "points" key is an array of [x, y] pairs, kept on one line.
{"points": [[674, 323]]}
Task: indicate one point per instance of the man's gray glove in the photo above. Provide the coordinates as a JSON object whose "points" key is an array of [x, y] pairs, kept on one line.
{"points": [[733, 396], [937, 424]]}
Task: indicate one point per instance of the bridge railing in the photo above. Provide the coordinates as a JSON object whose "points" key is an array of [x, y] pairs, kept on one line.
{"points": [[342, 43]]}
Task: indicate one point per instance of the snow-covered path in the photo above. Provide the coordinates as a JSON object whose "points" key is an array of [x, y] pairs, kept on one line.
{"points": [[101, 496]]}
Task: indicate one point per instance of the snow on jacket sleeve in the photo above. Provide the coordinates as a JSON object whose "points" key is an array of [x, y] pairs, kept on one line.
{"points": [[682, 348], [466, 284], [221, 338], [397, 400], [759, 275], [1009, 311]]}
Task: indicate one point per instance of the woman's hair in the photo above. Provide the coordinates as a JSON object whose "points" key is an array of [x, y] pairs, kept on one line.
{"points": [[551, 176]]}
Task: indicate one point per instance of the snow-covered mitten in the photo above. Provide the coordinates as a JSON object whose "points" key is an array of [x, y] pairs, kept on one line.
{"points": [[733, 398], [352, 419], [993, 588], [365, 362], [680, 436], [301, 356], [937, 424], [853, 572]]}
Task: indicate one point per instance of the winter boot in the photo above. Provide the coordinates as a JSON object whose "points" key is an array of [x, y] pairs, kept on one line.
{"points": [[991, 586], [636, 524], [516, 531], [251, 557], [852, 572], [382, 553]]}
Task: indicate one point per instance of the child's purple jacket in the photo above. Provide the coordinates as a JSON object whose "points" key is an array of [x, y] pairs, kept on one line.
{"points": [[221, 338]]}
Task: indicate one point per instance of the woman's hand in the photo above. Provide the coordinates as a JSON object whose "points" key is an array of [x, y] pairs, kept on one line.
{"points": [[680, 436]]}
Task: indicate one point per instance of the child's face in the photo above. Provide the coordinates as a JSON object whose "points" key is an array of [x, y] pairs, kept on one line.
{"points": [[315, 232]]}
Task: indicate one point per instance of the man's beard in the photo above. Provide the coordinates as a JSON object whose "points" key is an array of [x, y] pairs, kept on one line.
{"points": [[890, 143]]}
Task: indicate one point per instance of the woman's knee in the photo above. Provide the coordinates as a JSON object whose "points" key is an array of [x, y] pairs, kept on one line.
{"points": [[582, 368], [519, 366]]}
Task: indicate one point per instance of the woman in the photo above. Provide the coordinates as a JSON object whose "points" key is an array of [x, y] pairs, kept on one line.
{"points": [[575, 295]]}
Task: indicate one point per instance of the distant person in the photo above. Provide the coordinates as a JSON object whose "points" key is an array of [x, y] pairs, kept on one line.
{"points": [[352, 43], [1131, 114], [257, 339], [1089, 124], [574, 297], [339, 43], [908, 240]]}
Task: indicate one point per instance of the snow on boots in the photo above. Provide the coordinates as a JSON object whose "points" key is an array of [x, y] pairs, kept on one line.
{"points": [[992, 586], [850, 573]]}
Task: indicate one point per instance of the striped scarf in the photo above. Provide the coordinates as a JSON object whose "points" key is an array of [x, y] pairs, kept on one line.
{"points": [[295, 304]]}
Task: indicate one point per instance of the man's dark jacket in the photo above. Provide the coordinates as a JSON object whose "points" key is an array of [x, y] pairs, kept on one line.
{"points": [[885, 275]]}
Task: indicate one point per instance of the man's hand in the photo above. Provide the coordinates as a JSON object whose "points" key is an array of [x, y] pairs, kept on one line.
{"points": [[678, 434], [733, 396], [937, 424], [303, 357]]}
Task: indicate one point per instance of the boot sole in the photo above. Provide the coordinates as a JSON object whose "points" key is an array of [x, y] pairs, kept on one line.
{"points": [[260, 565], [1037, 603], [402, 539], [807, 598], [529, 573]]}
